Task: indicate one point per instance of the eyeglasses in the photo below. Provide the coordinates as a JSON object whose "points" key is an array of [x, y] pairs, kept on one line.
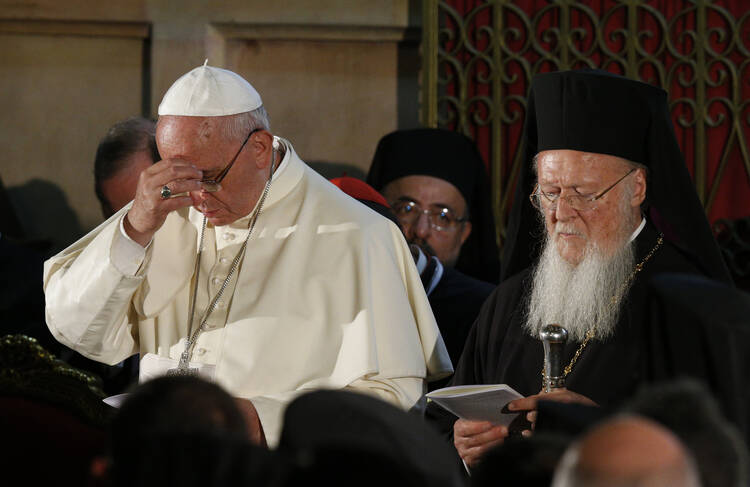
{"points": [[579, 202], [442, 219], [213, 185]]}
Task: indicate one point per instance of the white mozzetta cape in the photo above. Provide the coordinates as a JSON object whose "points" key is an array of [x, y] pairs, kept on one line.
{"points": [[327, 296]]}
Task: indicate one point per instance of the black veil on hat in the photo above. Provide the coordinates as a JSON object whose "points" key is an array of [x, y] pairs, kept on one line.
{"points": [[452, 157], [599, 112]]}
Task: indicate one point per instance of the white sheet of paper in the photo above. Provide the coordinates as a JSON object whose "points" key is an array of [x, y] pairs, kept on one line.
{"points": [[477, 402], [116, 400]]}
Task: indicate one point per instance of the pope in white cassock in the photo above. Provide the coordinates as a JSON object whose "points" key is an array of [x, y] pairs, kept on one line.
{"points": [[237, 261]]}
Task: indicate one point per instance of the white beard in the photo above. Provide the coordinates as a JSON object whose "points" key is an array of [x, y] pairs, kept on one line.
{"points": [[580, 297]]}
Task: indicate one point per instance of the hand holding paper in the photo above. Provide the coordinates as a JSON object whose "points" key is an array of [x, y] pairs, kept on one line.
{"points": [[484, 416], [478, 402]]}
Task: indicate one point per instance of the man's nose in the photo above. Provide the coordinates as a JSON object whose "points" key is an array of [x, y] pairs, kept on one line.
{"points": [[198, 197], [422, 227], [564, 211]]}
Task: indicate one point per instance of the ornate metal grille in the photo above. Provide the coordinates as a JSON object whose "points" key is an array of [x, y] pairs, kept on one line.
{"points": [[480, 55]]}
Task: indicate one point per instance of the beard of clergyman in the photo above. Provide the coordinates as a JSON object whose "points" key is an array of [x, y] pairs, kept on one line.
{"points": [[581, 297]]}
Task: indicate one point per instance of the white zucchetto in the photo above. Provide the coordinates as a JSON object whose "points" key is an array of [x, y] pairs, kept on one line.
{"points": [[209, 92]]}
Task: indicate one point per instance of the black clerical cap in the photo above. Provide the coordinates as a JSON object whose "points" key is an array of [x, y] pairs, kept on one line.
{"points": [[594, 111], [599, 112], [454, 158]]}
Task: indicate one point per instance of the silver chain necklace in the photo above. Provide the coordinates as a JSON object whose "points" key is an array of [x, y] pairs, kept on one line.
{"points": [[183, 367]]}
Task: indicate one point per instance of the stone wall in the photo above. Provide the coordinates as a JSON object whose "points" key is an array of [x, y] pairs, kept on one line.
{"points": [[335, 75]]}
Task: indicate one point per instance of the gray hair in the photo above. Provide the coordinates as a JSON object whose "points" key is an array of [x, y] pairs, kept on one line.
{"points": [[238, 126], [627, 162]]}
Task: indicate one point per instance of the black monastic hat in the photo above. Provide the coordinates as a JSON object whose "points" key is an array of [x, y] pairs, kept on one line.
{"points": [[452, 157], [599, 112]]}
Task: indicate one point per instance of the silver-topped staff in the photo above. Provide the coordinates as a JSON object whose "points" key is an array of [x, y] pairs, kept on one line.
{"points": [[553, 338]]}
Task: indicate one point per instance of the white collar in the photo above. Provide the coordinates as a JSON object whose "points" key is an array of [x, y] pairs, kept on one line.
{"points": [[436, 276], [638, 230], [421, 263]]}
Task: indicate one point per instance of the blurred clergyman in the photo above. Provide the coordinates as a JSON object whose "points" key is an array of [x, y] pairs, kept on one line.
{"points": [[438, 187], [128, 148], [454, 297]]}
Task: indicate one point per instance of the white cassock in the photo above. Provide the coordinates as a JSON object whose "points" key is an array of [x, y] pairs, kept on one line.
{"points": [[327, 296]]}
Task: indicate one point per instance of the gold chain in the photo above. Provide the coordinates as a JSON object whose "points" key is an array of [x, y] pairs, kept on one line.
{"points": [[591, 333]]}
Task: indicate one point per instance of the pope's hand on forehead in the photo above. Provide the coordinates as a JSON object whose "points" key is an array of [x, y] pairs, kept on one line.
{"points": [[179, 176], [150, 208]]}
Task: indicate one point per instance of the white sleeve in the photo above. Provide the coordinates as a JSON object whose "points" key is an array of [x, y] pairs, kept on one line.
{"points": [[89, 289], [127, 254]]}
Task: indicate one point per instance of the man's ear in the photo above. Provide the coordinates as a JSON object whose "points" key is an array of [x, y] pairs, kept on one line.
{"points": [[639, 194], [261, 147]]}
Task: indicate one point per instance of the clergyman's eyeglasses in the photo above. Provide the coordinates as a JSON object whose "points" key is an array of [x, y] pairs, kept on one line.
{"points": [[580, 202], [441, 218]]}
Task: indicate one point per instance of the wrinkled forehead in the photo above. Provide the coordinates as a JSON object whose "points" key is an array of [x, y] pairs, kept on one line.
{"points": [[577, 165], [189, 137], [184, 127]]}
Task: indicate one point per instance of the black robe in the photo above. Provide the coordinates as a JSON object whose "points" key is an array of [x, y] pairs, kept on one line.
{"points": [[455, 302], [498, 350]]}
